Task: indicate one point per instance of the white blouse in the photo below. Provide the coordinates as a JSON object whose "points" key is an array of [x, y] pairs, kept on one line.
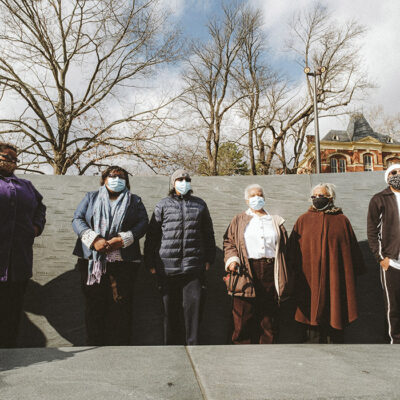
{"points": [[260, 236]]}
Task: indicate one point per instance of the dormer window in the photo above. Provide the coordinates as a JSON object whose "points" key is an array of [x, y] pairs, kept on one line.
{"points": [[389, 139], [335, 137]]}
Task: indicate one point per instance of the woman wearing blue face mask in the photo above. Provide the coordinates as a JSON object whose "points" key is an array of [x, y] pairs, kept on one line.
{"points": [[179, 248], [109, 223], [254, 255]]}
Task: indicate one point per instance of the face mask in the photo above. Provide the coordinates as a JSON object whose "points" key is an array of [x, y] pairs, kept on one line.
{"points": [[116, 184], [182, 187], [256, 202], [394, 182], [7, 168], [320, 203]]}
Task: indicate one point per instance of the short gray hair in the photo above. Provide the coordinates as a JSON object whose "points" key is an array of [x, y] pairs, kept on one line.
{"points": [[251, 187], [329, 187]]}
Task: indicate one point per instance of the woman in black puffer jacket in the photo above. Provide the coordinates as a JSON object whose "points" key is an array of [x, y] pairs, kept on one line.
{"points": [[179, 248]]}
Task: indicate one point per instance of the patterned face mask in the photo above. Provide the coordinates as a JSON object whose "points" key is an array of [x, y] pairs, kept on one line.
{"points": [[7, 168], [394, 181]]}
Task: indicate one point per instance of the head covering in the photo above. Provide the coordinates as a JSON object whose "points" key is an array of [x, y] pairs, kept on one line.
{"points": [[179, 173], [390, 169]]}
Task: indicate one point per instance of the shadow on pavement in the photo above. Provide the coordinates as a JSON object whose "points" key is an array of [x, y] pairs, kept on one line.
{"points": [[19, 358]]}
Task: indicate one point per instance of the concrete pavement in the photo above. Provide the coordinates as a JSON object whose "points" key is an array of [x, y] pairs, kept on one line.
{"points": [[202, 372]]}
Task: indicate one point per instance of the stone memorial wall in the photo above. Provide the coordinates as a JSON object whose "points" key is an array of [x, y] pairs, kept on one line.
{"points": [[54, 309]]}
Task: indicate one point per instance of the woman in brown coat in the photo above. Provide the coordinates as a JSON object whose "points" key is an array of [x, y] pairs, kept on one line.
{"points": [[325, 255], [254, 246]]}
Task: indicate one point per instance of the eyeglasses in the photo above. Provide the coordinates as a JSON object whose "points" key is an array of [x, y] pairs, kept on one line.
{"points": [[9, 158], [320, 196], [394, 172]]}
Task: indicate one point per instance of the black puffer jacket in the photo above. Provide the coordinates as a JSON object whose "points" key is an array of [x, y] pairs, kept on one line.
{"points": [[180, 237]]}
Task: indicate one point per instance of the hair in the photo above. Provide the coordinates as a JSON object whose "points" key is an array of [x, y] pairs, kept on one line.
{"points": [[329, 187], [251, 187], [4, 146], [108, 171]]}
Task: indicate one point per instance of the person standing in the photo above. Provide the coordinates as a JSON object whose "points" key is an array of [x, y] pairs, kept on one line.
{"points": [[254, 255], [23, 217], [109, 223], [383, 229], [179, 248], [326, 258]]}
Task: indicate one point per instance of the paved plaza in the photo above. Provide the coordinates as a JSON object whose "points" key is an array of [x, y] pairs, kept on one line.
{"points": [[202, 372]]}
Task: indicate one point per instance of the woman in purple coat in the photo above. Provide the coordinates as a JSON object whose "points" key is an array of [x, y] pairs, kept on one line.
{"points": [[22, 218]]}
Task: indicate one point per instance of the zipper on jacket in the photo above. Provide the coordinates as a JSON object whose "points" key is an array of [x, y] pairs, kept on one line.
{"points": [[183, 230]]}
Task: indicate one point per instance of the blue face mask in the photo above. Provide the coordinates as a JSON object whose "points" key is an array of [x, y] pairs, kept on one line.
{"points": [[182, 187], [116, 184], [256, 202]]}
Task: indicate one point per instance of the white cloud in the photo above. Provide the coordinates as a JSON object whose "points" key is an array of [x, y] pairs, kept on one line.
{"points": [[379, 45]]}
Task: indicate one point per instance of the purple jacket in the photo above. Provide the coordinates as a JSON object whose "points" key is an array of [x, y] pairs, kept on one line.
{"points": [[21, 209]]}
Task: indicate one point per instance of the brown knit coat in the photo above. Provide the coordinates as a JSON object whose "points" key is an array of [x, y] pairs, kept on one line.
{"points": [[325, 255]]}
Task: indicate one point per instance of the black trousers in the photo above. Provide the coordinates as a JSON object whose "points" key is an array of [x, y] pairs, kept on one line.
{"points": [[182, 295], [391, 296], [108, 304], [11, 304]]}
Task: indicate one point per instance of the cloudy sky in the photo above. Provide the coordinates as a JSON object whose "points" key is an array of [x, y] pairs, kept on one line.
{"points": [[380, 44]]}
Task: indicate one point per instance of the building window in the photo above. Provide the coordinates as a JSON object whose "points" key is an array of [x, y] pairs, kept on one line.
{"points": [[334, 166], [342, 165], [392, 161], [368, 162], [338, 165]]}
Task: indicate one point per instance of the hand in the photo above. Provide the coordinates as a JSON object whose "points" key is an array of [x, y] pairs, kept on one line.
{"points": [[36, 229], [232, 266], [100, 244], [385, 263], [158, 280], [207, 266], [153, 271], [115, 243]]}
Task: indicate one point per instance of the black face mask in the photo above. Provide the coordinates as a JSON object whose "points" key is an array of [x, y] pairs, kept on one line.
{"points": [[320, 202], [394, 181]]}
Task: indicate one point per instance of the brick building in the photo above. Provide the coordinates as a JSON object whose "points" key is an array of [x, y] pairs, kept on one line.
{"points": [[358, 148]]}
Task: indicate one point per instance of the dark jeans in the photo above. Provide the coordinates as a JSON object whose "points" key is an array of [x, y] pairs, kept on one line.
{"points": [[255, 318], [182, 294], [11, 304], [391, 295], [108, 304]]}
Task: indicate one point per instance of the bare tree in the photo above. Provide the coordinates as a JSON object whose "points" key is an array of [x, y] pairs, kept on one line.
{"points": [[252, 78], [321, 41], [208, 78], [279, 113], [68, 65], [387, 124]]}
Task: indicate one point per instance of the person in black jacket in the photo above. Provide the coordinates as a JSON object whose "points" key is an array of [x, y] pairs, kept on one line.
{"points": [[384, 240], [179, 248], [109, 223]]}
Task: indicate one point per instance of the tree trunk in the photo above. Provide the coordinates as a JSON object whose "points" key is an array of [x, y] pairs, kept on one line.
{"points": [[251, 148]]}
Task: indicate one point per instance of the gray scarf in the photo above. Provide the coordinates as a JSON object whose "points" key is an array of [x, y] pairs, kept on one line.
{"points": [[106, 223]]}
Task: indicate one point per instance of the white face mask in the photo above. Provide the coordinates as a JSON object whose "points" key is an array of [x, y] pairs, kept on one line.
{"points": [[182, 187], [256, 202]]}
